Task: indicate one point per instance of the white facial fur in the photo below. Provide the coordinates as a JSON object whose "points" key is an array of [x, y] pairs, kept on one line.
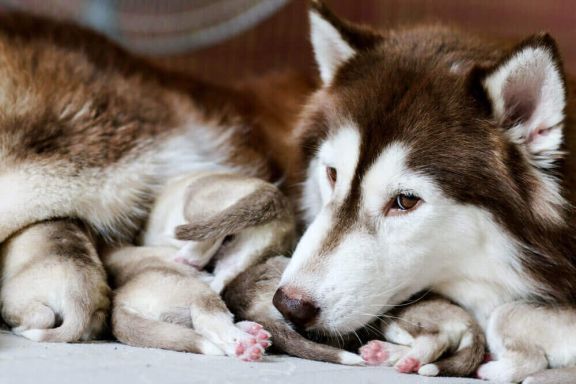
{"points": [[383, 260]]}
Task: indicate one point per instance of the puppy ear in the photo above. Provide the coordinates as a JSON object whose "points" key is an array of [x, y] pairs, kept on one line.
{"points": [[334, 40], [527, 93], [259, 207]]}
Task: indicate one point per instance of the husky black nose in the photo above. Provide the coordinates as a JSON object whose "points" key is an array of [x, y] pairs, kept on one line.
{"points": [[295, 306]]}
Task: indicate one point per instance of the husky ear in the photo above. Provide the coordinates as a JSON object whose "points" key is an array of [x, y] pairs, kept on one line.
{"points": [[527, 93], [334, 40]]}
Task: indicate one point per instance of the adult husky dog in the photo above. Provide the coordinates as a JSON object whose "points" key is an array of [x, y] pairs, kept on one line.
{"points": [[88, 130], [435, 160]]}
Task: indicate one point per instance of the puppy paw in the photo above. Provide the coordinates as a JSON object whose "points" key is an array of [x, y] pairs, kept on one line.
{"points": [[248, 349], [378, 352], [408, 365], [262, 336], [498, 371]]}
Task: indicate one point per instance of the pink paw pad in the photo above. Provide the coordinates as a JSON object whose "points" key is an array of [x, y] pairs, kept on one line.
{"points": [[374, 353], [249, 350], [408, 365], [262, 336]]}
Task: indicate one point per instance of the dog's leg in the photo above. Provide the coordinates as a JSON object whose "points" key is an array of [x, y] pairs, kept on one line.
{"points": [[210, 318], [422, 332], [518, 353], [54, 287], [517, 362]]}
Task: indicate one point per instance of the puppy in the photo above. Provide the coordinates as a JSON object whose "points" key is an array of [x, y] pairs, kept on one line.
{"points": [[552, 343], [159, 303], [161, 294], [53, 283], [430, 336], [234, 219]]}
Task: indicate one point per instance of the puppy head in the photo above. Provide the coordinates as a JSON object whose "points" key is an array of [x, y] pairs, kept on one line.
{"points": [[220, 207]]}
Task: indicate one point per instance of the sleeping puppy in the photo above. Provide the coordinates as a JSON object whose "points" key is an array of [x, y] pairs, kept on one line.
{"points": [[233, 219], [160, 293], [430, 336], [419, 332], [53, 283], [159, 303], [552, 344]]}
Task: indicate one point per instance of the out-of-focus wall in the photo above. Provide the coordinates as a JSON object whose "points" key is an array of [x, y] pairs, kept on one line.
{"points": [[282, 40]]}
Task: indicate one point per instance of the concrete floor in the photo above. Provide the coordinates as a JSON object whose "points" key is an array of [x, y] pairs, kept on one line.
{"points": [[26, 362]]}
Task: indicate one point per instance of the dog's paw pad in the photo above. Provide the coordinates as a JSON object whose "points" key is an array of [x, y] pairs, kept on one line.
{"points": [[249, 350], [262, 336], [408, 365], [375, 352]]}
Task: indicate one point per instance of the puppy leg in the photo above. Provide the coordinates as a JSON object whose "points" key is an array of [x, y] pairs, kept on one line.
{"points": [[515, 364], [31, 315], [517, 353], [211, 318], [423, 332], [54, 284]]}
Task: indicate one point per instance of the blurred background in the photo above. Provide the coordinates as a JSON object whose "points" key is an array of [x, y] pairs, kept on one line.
{"points": [[226, 40]]}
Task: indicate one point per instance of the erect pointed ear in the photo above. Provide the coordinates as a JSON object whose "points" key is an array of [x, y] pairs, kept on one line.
{"points": [[528, 96], [335, 40]]}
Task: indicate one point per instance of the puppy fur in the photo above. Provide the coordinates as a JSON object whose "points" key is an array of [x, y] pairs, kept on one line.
{"points": [[159, 303], [53, 283], [431, 336], [234, 219]]}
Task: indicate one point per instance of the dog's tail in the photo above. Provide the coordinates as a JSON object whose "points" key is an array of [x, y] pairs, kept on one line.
{"points": [[137, 331]]}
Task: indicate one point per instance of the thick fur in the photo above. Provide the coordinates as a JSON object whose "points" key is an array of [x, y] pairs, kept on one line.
{"points": [[53, 283], [479, 133], [120, 127], [91, 132]]}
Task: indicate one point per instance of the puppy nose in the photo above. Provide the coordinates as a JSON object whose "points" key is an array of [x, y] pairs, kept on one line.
{"points": [[295, 306]]}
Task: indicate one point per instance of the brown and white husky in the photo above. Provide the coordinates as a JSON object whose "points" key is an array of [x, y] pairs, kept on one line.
{"points": [[90, 132], [437, 160]]}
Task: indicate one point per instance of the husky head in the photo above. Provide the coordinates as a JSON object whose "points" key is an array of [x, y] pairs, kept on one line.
{"points": [[430, 165]]}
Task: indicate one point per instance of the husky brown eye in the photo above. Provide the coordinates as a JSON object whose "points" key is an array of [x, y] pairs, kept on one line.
{"points": [[403, 202], [332, 175]]}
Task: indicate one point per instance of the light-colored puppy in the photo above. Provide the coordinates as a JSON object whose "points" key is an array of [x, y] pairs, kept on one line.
{"points": [[551, 343], [431, 336], [53, 283], [159, 303], [161, 295], [236, 219]]}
